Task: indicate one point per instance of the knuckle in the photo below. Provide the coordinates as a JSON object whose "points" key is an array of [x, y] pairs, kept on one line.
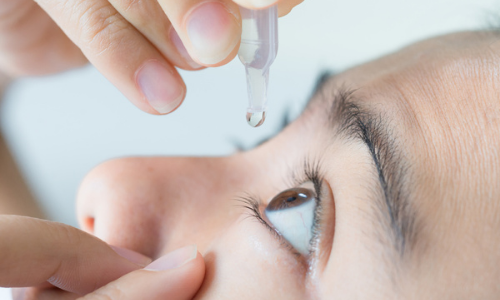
{"points": [[132, 4], [101, 28], [62, 232]]}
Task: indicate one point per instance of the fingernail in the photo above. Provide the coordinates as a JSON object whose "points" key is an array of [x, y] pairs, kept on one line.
{"points": [[262, 3], [213, 31], [176, 40], [174, 259], [132, 256], [160, 86]]}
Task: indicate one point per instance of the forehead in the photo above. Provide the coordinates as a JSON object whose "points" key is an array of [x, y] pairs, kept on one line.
{"points": [[441, 101]]}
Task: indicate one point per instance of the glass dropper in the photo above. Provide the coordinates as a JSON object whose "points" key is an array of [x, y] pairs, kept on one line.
{"points": [[258, 49]]}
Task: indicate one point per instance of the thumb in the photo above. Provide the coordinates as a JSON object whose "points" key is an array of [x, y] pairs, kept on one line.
{"points": [[175, 276]]}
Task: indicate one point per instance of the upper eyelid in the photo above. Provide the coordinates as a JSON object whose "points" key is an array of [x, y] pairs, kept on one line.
{"points": [[309, 171]]}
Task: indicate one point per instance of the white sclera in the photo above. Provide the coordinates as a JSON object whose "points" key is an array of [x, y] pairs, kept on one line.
{"points": [[295, 224]]}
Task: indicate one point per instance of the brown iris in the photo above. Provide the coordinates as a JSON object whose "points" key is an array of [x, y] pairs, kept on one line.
{"points": [[290, 198]]}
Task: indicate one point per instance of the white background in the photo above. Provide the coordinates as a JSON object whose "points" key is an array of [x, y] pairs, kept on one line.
{"points": [[60, 127]]}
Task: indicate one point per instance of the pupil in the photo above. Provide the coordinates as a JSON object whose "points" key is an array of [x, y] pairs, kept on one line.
{"points": [[290, 198]]}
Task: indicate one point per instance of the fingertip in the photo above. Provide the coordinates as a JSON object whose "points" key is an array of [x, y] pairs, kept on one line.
{"points": [[285, 7], [189, 63], [185, 264], [226, 60], [161, 86], [132, 256], [186, 280], [177, 275], [197, 269], [213, 31]]}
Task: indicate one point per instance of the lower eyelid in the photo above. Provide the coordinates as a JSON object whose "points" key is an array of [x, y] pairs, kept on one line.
{"points": [[255, 208], [267, 248], [323, 243], [276, 234]]}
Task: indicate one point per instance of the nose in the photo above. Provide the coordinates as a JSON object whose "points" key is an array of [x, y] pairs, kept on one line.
{"points": [[155, 205]]}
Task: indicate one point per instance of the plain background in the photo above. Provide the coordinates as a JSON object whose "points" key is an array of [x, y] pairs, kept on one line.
{"points": [[62, 126]]}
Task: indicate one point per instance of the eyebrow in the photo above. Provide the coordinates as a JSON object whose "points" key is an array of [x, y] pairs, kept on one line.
{"points": [[349, 118]]}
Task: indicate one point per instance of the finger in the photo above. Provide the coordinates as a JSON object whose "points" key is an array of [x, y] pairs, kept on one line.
{"points": [[120, 52], [284, 6], [210, 30], [149, 19], [31, 43], [35, 251], [42, 294], [176, 276]]}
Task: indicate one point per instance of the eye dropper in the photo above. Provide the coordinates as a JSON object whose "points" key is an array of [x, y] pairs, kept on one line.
{"points": [[258, 49]]}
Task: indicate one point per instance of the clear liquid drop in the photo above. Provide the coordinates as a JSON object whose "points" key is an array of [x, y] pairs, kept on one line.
{"points": [[256, 119]]}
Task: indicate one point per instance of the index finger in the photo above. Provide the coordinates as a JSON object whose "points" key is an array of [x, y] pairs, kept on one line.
{"points": [[120, 52], [36, 251]]}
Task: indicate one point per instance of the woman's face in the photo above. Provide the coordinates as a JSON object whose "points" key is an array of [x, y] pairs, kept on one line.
{"points": [[385, 187]]}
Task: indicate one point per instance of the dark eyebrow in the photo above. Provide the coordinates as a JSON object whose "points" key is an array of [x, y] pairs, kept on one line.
{"points": [[357, 122]]}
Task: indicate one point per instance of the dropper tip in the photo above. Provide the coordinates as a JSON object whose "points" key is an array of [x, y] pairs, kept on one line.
{"points": [[256, 119]]}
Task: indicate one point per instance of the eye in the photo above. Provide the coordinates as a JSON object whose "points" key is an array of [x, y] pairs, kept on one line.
{"points": [[292, 214]]}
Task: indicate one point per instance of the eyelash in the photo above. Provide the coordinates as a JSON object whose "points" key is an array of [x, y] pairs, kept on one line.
{"points": [[252, 204], [310, 172]]}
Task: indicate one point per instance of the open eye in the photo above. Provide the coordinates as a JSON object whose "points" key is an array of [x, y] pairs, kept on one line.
{"points": [[292, 213]]}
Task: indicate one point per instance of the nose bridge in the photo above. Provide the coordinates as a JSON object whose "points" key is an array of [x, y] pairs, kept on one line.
{"points": [[202, 178], [199, 196]]}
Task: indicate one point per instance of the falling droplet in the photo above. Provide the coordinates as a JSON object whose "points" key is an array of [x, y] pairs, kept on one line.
{"points": [[256, 119]]}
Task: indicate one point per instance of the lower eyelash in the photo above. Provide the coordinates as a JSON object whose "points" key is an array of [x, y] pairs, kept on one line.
{"points": [[310, 171], [253, 204]]}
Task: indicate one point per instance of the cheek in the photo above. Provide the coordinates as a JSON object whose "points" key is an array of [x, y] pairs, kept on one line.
{"points": [[247, 255]]}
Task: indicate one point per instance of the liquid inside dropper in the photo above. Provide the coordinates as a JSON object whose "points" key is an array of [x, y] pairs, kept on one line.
{"points": [[258, 48], [257, 81], [256, 119]]}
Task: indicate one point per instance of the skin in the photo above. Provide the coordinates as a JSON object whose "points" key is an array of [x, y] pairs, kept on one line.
{"points": [[37, 252], [120, 38], [439, 99]]}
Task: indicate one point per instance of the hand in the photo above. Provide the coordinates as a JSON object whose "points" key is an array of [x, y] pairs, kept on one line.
{"points": [[35, 252], [134, 43], [65, 263], [176, 276]]}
